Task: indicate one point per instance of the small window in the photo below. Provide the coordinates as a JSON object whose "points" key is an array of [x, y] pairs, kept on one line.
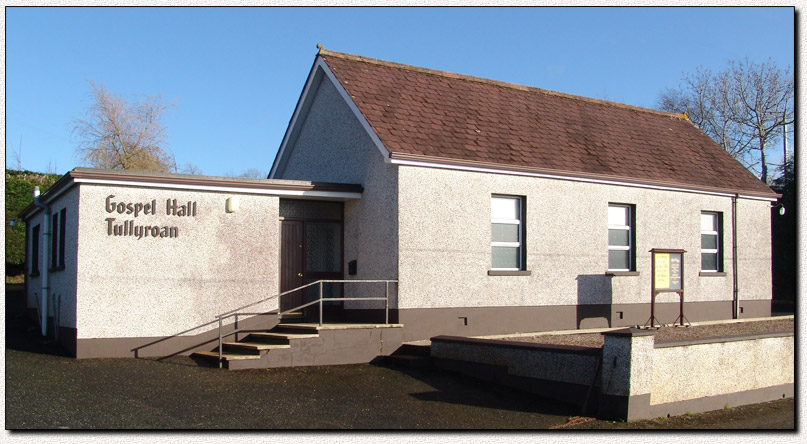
{"points": [[35, 251], [507, 233], [54, 243], [57, 241], [62, 229], [711, 242], [621, 248]]}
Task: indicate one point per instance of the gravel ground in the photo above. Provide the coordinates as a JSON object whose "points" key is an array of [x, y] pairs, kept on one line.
{"points": [[670, 334]]}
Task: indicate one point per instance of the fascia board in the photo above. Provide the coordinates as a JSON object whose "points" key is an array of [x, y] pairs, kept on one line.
{"points": [[227, 189], [439, 163]]}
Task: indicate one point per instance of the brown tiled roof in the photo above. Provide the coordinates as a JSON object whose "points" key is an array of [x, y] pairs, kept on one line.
{"points": [[421, 114]]}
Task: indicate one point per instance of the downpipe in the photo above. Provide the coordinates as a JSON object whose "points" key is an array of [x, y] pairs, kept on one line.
{"points": [[43, 315], [735, 286]]}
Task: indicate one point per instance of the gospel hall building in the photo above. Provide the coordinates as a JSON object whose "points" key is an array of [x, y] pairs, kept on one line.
{"points": [[450, 205]]}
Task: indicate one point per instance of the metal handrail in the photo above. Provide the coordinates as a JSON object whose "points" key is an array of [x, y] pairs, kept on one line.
{"points": [[319, 301]]}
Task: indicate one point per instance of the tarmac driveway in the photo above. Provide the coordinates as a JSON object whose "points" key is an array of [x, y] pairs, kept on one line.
{"points": [[46, 391]]}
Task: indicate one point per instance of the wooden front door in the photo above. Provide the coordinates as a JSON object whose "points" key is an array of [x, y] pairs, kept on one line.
{"points": [[292, 265], [310, 250]]}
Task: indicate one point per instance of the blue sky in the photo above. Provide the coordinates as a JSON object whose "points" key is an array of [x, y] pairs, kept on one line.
{"points": [[235, 74]]}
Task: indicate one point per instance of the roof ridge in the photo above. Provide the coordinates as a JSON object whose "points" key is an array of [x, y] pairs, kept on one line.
{"points": [[510, 85]]}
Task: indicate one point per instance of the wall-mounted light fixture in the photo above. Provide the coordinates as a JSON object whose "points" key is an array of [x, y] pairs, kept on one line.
{"points": [[12, 222], [781, 208], [232, 204]]}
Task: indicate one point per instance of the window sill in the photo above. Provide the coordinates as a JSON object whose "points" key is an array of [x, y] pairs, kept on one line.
{"points": [[712, 274], [622, 273], [55, 269], [509, 273]]}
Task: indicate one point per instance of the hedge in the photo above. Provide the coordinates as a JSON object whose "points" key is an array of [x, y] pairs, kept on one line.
{"points": [[19, 194]]}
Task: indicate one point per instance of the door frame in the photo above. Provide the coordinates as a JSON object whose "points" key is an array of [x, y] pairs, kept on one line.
{"points": [[312, 313]]}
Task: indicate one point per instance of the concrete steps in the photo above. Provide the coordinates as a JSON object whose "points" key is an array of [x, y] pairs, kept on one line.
{"points": [[281, 337], [254, 346], [291, 345], [257, 346], [214, 355]]}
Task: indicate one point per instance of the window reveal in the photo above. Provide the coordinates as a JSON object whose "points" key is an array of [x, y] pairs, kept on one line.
{"points": [[711, 252], [507, 233], [621, 248]]}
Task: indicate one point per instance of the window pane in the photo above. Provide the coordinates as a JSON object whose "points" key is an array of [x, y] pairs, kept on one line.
{"points": [[309, 209], [617, 215], [709, 241], [323, 244], [618, 260], [505, 257], [505, 232], [619, 238], [708, 222], [709, 261], [504, 208]]}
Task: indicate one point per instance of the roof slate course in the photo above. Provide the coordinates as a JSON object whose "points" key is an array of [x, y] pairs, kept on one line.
{"points": [[424, 113]]}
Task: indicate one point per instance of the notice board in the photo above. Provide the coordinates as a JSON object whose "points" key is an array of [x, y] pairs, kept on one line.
{"points": [[668, 277], [667, 270]]}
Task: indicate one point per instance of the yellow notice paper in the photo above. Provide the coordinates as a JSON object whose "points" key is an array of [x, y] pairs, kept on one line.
{"points": [[662, 271]]}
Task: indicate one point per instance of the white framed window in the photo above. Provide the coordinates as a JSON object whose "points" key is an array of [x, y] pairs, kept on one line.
{"points": [[621, 249], [711, 254], [507, 233]]}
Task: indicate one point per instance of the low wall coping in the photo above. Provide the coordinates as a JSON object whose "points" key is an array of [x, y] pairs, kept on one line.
{"points": [[630, 332], [719, 339], [553, 348]]}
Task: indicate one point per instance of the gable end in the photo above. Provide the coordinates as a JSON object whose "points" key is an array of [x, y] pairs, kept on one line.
{"points": [[319, 72]]}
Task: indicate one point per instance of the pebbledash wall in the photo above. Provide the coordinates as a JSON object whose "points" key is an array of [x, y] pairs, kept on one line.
{"points": [[154, 260], [445, 255], [155, 286]]}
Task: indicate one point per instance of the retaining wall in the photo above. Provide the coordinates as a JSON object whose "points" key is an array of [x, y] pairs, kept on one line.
{"points": [[632, 377]]}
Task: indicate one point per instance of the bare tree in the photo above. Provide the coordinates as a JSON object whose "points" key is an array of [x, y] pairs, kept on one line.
{"points": [[190, 168], [743, 108], [18, 156], [119, 134], [253, 173]]}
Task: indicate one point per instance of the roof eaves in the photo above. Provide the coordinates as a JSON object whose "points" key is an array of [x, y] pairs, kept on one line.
{"points": [[100, 176], [63, 184], [82, 174], [425, 161]]}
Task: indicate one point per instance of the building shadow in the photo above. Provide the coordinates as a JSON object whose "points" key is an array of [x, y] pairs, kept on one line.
{"points": [[453, 388], [594, 301], [22, 331]]}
